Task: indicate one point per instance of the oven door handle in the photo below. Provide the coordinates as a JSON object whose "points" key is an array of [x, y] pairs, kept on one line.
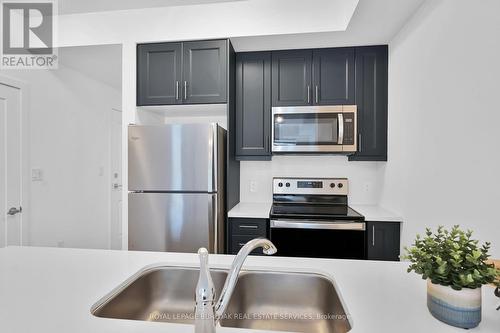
{"points": [[310, 224], [341, 129]]}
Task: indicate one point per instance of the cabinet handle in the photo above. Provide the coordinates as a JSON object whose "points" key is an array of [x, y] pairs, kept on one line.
{"points": [[185, 90], [317, 94], [308, 94], [373, 235], [248, 227], [360, 147], [176, 90]]}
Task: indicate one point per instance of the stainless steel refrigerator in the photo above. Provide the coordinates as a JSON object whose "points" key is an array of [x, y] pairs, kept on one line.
{"points": [[176, 187]]}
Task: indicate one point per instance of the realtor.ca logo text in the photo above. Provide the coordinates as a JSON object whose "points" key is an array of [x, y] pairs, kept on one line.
{"points": [[27, 37]]}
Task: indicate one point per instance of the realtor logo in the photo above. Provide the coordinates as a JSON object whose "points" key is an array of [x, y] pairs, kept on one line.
{"points": [[28, 34]]}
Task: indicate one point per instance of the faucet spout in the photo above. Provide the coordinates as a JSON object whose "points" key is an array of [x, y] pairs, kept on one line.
{"points": [[268, 248], [206, 313]]}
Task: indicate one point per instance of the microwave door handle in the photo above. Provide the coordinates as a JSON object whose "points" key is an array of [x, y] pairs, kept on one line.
{"points": [[341, 129]]}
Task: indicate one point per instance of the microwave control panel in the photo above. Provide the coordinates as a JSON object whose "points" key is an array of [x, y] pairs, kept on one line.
{"points": [[349, 129]]}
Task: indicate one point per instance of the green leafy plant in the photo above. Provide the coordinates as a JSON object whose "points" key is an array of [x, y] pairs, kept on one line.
{"points": [[451, 258]]}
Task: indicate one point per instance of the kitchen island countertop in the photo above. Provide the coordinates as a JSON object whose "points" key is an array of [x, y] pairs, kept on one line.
{"points": [[51, 290]]}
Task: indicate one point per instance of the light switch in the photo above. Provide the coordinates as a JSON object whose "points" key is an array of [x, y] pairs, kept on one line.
{"points": [[36, 175]]}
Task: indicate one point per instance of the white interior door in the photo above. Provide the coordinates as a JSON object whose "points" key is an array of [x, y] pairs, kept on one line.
{"points": [[116, 179], [10, 166]]}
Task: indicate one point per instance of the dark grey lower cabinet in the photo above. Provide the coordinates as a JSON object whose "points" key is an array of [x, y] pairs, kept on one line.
{"points": [[371, 99], [242, 230], [253, 106], [383, 241]]}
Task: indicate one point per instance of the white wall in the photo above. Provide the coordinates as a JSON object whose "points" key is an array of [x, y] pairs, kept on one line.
{"points": [[69, 133], [444, 154], [364, 177]]}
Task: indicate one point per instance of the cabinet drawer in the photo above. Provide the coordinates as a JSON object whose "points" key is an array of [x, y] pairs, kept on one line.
{"points": [[237, 242], [255, 227]]}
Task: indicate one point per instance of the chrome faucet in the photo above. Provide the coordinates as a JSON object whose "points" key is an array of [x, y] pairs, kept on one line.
{"points": [[208, 313]]}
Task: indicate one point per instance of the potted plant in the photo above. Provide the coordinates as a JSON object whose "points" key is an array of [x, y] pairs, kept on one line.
{"points": [[455, 268]]}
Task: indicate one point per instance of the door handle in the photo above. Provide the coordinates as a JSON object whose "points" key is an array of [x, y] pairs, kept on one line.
{"points": [[13, 211], [320, 225], [341, 129], [373, 235]]}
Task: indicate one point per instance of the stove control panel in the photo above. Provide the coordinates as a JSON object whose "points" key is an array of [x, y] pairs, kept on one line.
{"points": [[319, 186]]}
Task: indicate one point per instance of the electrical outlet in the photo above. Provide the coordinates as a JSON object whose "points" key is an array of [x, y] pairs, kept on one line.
{"points": [[253, 186], [367, 186], [36, 175]]}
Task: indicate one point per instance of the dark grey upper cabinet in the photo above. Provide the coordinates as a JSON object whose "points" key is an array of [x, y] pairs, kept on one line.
{"points": [[159, 73], [291, 77], [371, 99], [182, 73], [253, 106], [383, 241], [205, 71], [333, 76]]}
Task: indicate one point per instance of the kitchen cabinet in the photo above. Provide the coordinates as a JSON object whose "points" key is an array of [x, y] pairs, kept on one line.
{"points": [[291, 76], [313, 77], [253, 106], [371, 99], [182, 73], [242, 230], [333, 76], [383, 240], [159, 73], [205, 71]]}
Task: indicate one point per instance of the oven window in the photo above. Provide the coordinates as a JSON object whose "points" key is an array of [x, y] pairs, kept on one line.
{"points": [[306, 129], [338, 244]]}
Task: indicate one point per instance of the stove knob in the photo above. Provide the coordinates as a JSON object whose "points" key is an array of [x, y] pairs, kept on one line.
{"points": [[340, 185], [280, 184], [332, 185], [287, 184]]}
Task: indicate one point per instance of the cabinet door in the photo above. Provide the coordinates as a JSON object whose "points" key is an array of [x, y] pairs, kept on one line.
{"points": [[371, 99], [383, 241], [291, 76], [243, 230], [204, 72], [253, 106], [159, 73], [333, 76]]}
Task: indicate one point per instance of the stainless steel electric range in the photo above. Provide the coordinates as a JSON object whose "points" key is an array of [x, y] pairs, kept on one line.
{"points": [[310, 217]]}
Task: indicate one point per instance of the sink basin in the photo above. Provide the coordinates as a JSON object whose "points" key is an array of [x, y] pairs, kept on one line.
{"points": [[276, 301], [156, 294], [293, 302]]}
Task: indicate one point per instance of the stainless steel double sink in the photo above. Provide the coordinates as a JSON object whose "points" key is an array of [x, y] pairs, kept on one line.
{"points": [[277, 301]]}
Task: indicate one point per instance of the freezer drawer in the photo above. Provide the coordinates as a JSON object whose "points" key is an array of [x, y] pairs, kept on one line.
{"points": [[174, 222], [177, 157]]}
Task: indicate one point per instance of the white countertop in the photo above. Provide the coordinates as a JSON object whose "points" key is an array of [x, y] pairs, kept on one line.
{"points": [[376, 213], [50, 290], [261, 210], [251, 210]]}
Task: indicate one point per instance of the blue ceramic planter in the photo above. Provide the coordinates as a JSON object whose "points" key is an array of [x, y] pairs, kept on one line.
{"points": [[459, 308]]}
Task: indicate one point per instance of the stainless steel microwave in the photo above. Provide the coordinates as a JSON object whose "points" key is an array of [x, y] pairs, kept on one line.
{"points": [[309, 129]]}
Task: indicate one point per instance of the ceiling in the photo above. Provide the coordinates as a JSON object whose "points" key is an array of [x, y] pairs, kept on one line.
{"points": [[100, 62], [373, 22], [89, 6]]}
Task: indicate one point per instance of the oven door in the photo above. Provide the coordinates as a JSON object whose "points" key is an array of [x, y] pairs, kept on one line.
{"points": [[319, 239], [314, 129]]}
